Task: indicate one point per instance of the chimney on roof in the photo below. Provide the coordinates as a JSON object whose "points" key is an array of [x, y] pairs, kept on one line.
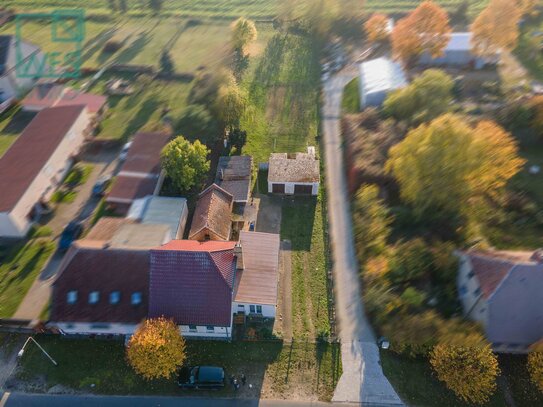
{"points": [[238, 254], [537, 256]]}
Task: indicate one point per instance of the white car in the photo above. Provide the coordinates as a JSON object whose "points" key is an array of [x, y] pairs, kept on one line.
{"points": [[124, 151]]}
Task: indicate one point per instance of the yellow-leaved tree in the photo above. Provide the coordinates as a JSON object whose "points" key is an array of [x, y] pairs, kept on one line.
{"points": [[376, 28], [469, 371], [496, 28], [426, 29], [243, 33], [443, 164], [157, 349], [528, 7], [535, 364]]}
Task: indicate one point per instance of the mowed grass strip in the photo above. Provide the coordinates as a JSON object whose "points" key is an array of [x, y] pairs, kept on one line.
{"points": [[303, 223], [20, 264]]}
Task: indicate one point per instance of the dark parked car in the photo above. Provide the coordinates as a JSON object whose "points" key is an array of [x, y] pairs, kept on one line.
{"points": [[100, 187], [69, 234], [201, 377]]}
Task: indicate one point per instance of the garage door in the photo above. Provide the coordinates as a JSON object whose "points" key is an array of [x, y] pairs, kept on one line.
{"points": [[278, 188], [303, 189]]}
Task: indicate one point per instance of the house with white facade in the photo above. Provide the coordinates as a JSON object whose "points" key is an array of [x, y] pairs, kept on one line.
{"points": [[36, 163], [458, 52], [13, 57], [294, 174], [502, 291]]}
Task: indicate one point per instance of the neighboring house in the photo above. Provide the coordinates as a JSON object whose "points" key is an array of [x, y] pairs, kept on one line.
{"points": [[12, 84], [50, 95], [140, 174], [36, 163], [161, 210], [212, 219], [502, 290], [125, 233], [379, 77], [99, 291], [296, 173], [234, 176], [458, 52], [201, 284]]}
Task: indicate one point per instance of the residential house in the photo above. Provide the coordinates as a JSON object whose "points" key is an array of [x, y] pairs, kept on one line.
{"points": [[502, 290], [140, 174], [297, 173], [377, 78], [36, 163], [458, 52], [161, 210], [202, 284], [101, 291], [51, 95], [234, 176], [212, 219], [14, 56]]}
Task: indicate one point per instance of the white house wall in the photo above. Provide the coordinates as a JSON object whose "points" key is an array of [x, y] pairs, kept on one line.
{"points": [[103, 328], [219, 332], [50, 176], [268, 310], [289, 187], [474, 304]]}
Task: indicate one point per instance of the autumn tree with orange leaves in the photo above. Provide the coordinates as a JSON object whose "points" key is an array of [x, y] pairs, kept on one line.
{"points": [[376, 28], [426, 29], [496, 28], [157, 349], [528, 7]]}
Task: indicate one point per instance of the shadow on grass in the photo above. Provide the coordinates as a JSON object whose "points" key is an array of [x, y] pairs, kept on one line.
{"points": [[297, 221], [141, 117], [133, 49], [18, 122]]}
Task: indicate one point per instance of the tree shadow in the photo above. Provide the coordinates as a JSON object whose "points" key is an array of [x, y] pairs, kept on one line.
{"points": [[147, 109], [134, 49], [297, 221], [18, 123], [96, 44]]}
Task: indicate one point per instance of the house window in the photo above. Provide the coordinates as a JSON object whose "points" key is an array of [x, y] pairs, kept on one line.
{"points": [[115, 297], [259, 309], [252, 309], [99, 326], [135, 299], [463, 290], [192, 328], [477, 291], [94, 296], [210, 328], [71, 297], [471, 274]]}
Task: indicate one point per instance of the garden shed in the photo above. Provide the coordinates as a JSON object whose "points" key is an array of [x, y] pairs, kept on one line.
{"points": [[379, 77]]}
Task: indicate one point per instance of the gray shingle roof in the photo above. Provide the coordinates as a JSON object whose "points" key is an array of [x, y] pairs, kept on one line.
{"points": [[298, 167]]}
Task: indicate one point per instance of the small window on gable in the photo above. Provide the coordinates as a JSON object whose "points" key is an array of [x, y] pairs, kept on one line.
{"points": [[71, 297], [477, 291], [192, 328], [135, 299], [114, 297], [463, 290], [210, 328], [471, 274], [94, 296], [259, 309]]}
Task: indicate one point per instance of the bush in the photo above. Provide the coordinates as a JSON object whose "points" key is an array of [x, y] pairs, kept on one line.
{"points": [[112, 46], [535, 367], [413, 298], [41, 231], [411, 261]]}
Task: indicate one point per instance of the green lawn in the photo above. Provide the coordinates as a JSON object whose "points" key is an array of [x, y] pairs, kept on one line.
{"points": [[304, 224], [351, 98], [272, 368], [416, 384], [20, 264], [527, 52]]}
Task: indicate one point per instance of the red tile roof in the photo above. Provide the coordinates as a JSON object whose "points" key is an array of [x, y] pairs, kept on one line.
{"points": [[127, 188], [104, 270], [213, 212], [192, 282], [144, 153], [24, 160], [491, 267], [50, 95]]}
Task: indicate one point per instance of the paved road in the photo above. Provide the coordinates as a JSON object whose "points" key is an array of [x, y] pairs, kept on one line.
{"points": [[43, 400], [362, 380]]}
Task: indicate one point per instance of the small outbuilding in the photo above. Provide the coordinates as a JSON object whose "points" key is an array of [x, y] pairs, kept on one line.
{"points": [[458, 52], [379, 77], [296, 173], [212, 219]]}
